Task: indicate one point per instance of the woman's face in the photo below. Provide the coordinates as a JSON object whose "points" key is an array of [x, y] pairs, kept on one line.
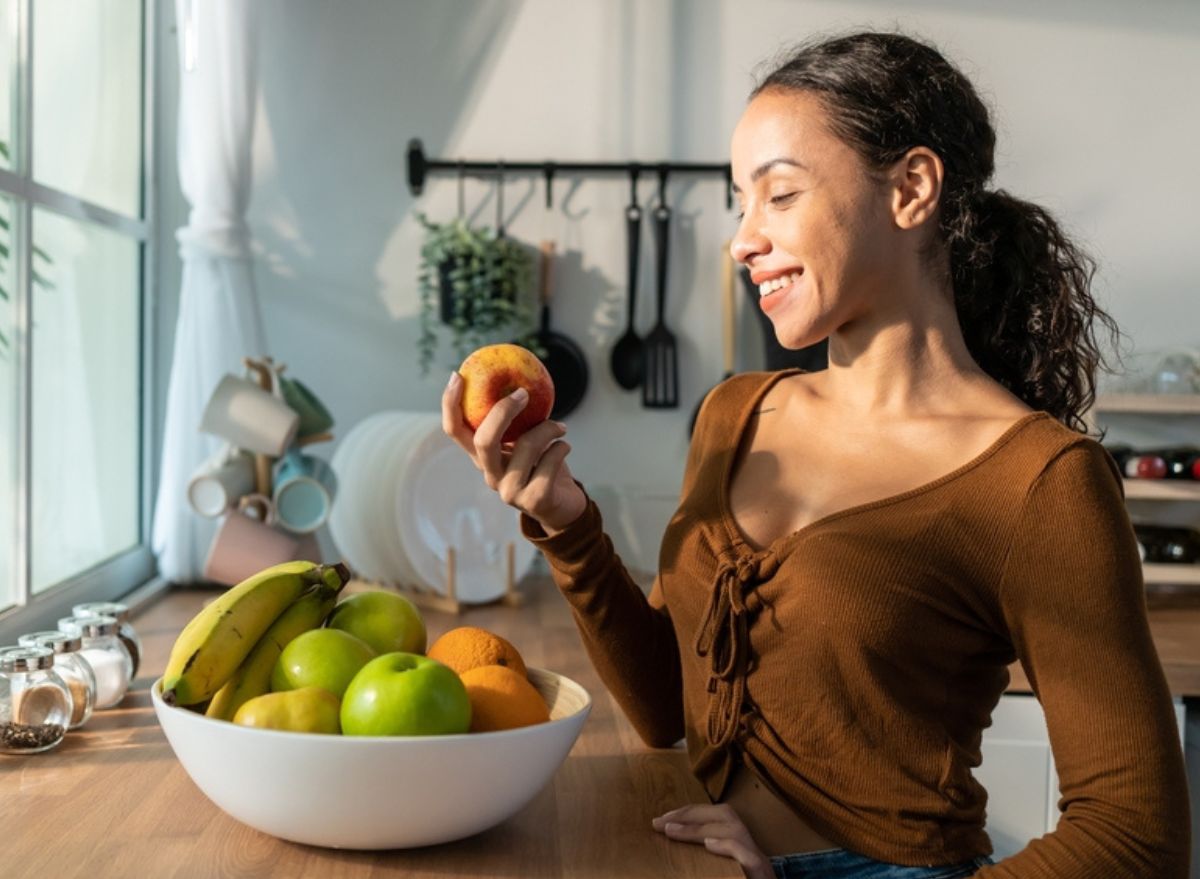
{"points": [[816, 232]]}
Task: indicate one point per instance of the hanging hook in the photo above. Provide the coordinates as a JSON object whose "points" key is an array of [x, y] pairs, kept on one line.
{"points": [[462, 179], [635, 169], [500, 197], [663, 171], [548, 171]]}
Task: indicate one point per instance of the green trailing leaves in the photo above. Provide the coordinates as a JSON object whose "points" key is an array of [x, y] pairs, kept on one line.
{"points": [[487, 278]]}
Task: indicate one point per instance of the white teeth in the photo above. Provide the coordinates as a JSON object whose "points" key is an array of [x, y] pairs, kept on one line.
{"points": [[777, 284]]}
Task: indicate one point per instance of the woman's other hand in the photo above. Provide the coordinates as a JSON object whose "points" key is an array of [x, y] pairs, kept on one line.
{"points": [[530, 474], [719, 829]]}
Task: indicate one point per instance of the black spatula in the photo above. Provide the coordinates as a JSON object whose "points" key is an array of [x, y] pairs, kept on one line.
{"points": [[660, 377]]}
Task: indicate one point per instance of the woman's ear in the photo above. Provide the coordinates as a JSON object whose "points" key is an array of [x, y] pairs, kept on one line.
{"points": [[916, 187]]}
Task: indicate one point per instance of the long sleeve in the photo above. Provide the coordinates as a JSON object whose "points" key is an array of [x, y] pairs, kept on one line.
{"points": [[1073, 599], [628, 636]]}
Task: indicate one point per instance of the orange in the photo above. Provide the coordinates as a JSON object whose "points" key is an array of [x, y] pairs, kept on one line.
{"points": [[501, 698], [469, 647]]}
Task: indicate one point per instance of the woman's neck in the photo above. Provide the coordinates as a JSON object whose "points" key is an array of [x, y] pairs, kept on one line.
{"points": [[911, 363]]}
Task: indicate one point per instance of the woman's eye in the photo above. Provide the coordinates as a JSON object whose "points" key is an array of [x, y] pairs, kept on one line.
{"points": [[783, 199]]}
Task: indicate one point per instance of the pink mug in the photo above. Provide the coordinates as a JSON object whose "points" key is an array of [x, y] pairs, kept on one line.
{"points": [[245, 545]]}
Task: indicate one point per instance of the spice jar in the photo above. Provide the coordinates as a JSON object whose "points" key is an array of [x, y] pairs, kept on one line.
{"points": [[106, 654], [34, 702], [69, 665], [127, 634]]}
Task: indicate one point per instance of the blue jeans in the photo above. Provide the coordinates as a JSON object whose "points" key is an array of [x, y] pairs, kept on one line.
{"points": [[838, 863]]}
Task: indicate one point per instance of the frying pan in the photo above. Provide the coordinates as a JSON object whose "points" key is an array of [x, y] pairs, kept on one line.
{"points": [[728, 320], [564, 360]]}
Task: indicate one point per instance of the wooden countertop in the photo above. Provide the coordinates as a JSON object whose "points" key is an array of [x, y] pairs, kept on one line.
{"points": [[1175, 627], [112, 800]]}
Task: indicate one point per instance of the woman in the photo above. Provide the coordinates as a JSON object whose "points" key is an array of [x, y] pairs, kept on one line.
{"points": [[859, 553]]}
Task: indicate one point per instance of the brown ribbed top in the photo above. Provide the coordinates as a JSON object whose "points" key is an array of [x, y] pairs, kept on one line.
{"points": [[853, 664]]}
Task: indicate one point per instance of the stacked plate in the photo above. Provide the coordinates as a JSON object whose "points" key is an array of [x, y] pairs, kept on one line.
{"points": [[407, 494]]}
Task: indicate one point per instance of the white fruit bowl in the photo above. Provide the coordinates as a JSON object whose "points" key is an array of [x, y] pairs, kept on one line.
{"points": [[375, 792]]}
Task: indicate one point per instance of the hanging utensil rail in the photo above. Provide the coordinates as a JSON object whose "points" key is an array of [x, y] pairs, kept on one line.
{"points": [[421, 166]]}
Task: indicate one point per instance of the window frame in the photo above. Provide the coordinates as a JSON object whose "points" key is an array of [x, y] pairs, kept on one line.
{"points": [[130, 575]]}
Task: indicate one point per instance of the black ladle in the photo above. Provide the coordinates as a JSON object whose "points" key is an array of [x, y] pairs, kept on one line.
{"points": [[626, 358]]}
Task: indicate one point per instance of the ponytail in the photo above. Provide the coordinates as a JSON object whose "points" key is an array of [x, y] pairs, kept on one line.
{"points": [[1021, 290]]}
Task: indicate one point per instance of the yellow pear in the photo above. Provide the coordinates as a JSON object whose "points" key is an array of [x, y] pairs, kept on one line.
{"points": [[308, 709]]}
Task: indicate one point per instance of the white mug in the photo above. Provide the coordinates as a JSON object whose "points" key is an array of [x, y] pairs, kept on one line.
{"points": [[249, 417], [220, 481]]}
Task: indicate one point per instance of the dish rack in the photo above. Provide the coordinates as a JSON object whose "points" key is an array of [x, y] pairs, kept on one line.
{"points": [[448, 602]]}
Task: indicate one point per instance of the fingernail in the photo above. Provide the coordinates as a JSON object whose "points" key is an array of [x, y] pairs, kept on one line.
{"points": [[454, 378], [561, 425], [520, 394], [710, 840], [674, 826]]}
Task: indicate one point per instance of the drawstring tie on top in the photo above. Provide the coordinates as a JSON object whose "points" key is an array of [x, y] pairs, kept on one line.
{"points": [[723, 637]]}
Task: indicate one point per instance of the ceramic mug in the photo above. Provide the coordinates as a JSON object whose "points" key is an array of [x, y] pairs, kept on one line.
{"points": [[221, 481], [304, 490], [245, 545], [249, 417], [314, 417]]}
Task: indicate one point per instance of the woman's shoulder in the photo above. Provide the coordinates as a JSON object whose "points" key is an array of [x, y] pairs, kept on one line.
{"points": [[728, 396], [1061, 452]]}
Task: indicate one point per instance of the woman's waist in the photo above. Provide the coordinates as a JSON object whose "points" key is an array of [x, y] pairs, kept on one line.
{"points": [[774, 825]]}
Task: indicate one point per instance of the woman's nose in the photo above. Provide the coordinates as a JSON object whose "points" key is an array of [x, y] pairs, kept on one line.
{"points": [[748, 244]]}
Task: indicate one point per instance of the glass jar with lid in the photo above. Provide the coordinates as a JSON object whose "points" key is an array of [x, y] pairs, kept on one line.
{"points": [[106, 654], [35, 705], [69, 665], [128, 634]]}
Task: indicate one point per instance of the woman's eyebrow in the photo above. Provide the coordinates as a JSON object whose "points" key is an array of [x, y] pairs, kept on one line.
{"points": [[768, 165]]}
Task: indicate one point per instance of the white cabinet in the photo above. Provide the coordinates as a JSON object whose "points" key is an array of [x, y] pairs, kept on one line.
{"points": [[1019, 774]]}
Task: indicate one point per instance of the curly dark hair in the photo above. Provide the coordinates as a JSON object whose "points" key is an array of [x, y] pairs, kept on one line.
{"points": [[1020, 284]]}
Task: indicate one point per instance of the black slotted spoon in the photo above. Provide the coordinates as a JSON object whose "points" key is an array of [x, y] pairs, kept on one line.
{"points": [[660, 371]]}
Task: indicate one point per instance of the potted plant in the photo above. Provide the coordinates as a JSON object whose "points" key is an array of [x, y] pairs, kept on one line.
{"points": [[473, 281]]}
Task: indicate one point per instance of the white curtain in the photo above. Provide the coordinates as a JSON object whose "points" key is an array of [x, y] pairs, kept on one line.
{"points": [[219, 318]]}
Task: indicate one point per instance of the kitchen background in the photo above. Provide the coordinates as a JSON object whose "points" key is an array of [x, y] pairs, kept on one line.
{"points": [[1094, 102]]}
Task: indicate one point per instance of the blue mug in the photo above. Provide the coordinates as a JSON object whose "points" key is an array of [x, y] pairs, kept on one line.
{"points": [[304, 490]]}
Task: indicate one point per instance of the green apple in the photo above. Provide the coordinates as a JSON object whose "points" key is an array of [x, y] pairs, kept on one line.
{"points": [[387, 621], [403, 694], [327, 658]]}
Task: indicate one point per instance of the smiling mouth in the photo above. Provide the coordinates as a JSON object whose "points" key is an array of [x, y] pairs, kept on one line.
{"points": [[766, 288]]}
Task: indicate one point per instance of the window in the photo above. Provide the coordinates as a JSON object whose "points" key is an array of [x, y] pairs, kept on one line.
{"points": [[74, 256]]}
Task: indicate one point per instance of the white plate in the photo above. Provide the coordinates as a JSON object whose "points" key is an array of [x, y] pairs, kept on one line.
{"points": [[371, 454], [345, 517], [442, 500], [393, 463]]}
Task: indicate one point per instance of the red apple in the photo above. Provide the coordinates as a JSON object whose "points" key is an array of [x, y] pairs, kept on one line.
{"points": [[493, 372]]}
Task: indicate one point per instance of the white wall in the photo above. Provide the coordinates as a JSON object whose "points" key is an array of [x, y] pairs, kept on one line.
{"points": [[1095, 104]]}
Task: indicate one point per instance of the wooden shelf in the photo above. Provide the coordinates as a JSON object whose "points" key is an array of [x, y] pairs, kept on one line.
{"points": [[1182, 575], [1162, 490], [1165, 404]]}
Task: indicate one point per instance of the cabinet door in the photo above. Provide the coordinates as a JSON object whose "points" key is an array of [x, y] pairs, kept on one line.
{"points": [[1019, 774]]}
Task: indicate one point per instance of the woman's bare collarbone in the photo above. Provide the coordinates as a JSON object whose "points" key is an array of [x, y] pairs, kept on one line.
{"points": [[799, 462]]}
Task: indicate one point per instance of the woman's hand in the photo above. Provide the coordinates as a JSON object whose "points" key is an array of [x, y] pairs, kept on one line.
{"points": [[719, 829], [530, 474]]}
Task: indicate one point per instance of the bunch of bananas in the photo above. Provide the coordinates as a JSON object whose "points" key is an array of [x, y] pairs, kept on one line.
{"points": [[226, 653]]}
